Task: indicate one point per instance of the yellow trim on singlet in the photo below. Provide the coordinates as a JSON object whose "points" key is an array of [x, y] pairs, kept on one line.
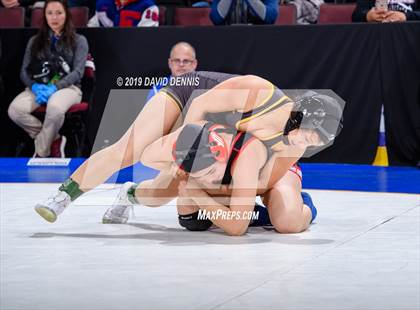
{"points": [[172, 96], [261, 112], [272, 137], [274, 145], [266, 99]]}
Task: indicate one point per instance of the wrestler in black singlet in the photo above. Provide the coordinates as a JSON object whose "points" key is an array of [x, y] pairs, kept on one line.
{"points": [[201, 81]]}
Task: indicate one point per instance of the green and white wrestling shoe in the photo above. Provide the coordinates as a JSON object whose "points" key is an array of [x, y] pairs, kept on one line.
{"points": [[119, 212], [53, 206]]}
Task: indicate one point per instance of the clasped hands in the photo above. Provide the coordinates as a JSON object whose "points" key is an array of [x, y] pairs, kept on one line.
{"points": [[382, 16], [43, 92]]}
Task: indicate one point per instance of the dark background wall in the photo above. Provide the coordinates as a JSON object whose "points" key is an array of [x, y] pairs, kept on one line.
{"points": [[366, 65]]}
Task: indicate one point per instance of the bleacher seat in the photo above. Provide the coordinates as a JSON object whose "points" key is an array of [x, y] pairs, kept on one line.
{"points": [[178, 3], [162, 15], [80, 16], [192, 17], [13, 17], [287, 15], [335, 13]]}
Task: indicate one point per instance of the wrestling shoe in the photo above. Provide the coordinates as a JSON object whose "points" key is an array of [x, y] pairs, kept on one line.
{"points": [[119, 212], [53, 206], [307, 201], [263, 219]]}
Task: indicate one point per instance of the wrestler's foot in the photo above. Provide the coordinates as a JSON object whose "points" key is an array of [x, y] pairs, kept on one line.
{"points": [[119, 212], [53, 206], [263, 219], [307, 200]]}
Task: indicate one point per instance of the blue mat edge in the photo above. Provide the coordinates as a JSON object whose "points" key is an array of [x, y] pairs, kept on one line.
{"points": [[326, 176]]}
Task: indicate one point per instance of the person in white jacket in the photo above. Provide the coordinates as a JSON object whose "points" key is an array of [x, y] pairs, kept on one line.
{"points": [[125, 13]]}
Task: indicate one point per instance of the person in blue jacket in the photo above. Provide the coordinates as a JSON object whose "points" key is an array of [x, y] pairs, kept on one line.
{"points": [[226, 12]]}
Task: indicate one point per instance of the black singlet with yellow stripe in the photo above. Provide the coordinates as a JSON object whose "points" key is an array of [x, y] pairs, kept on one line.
{"points": [[192, 85], [189, 86]]}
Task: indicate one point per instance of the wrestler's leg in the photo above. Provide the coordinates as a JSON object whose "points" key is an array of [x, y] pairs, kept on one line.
{"points": [[152, 193], [155, 193], [186, 205], [188, 214], [155, 120], [158, 191], [284, 202]]}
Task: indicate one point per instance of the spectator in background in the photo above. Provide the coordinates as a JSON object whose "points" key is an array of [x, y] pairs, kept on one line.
{"points": [[20, 3], [16, 3], [182, 59], [226, 12], [125, 13], [398, 11], [90, 4], [71, 3], [307, 11], [52, 70]]}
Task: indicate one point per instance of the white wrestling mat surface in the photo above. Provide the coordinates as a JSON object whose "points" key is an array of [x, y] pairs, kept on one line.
{"points": [[362, 253]]}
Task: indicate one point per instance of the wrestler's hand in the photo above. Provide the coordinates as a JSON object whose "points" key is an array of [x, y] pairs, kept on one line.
{"points": [[176, 172], [182, 174]]}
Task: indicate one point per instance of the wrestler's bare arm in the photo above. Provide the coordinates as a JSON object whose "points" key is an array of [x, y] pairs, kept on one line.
{"points": [[244, 188], [275, 168], [235, 94], [158, 191]]}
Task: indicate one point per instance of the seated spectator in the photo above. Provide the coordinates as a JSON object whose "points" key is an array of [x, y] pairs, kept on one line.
{"points": [[307, 11], [20, 3], [182, 59], [226, 12], [398, 11], [125, 13], [53, 66]]}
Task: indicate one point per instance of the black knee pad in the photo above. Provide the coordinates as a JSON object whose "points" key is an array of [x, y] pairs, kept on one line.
{"points": [[191, 222]]}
